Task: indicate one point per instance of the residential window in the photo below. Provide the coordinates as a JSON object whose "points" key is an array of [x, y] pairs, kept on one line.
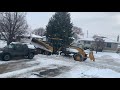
{"points": [[109, 45]]}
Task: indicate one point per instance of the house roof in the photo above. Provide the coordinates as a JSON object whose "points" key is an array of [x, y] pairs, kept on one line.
{"points": [[110, 40], [87, 39], [106, 40]]}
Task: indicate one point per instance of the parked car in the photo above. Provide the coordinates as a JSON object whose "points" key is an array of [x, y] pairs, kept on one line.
{"points": [[16, 49]]}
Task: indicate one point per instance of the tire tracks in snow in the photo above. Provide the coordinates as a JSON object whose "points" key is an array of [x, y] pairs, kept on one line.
{"points": [[17, 65]]}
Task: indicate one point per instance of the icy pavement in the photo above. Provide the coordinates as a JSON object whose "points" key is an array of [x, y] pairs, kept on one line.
{"points": [[107, 65]]}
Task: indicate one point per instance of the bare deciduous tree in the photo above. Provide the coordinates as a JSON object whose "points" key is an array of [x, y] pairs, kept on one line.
{"points": [[12, 24], [40, 31], [95, 36], [99, 43], [77, 32]]}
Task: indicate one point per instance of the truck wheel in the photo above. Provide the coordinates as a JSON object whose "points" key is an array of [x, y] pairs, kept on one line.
{"points": [[62, 54], [6, 57], [50, 53], [47, 53], [78, 57], [30, 56]]}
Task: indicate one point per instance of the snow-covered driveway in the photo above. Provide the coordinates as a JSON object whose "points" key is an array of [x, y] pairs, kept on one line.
{"points": [[107, 65]]}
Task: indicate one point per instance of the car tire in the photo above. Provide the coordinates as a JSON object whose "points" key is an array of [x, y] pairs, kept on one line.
{"points": [[6, 57], [30, 56]]}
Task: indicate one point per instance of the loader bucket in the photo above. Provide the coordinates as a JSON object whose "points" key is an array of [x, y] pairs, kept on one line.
{"points": [[81, 51], [91, 56]]}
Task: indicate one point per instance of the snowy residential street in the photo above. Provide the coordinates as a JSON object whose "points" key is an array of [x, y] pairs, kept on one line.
{"points": [[107, 65], [59, 45]]}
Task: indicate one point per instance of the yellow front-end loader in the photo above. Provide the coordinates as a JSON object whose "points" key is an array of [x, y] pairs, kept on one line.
{"points": [[81, 55]]}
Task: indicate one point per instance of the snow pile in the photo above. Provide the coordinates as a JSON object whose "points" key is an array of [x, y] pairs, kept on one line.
{"points": [[72, 50], [35, 36]]}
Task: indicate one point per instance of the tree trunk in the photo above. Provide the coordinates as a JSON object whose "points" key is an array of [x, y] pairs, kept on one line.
{"points": [[8, 42], [102, 50], [96, 50]]}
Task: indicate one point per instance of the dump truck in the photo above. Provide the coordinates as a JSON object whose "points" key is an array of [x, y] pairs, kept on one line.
{"points": [[42, 46]]}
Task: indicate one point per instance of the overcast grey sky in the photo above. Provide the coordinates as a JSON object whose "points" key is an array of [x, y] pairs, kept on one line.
{"points": [[102, 23]]}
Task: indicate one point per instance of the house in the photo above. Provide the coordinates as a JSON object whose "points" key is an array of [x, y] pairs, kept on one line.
{"points": [[24, 38], [110, 45]]}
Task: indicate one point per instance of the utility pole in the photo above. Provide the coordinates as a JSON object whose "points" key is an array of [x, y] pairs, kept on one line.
{"points": [[118, 38]]}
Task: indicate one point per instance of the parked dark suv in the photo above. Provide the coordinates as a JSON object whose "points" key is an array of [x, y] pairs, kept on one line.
{"points": [[17, 49]]}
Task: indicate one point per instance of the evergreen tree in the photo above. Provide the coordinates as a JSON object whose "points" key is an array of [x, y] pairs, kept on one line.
{"points": [[60, 26]]}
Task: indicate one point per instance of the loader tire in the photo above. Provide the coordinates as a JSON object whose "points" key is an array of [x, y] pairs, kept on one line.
{"points": [[78, 57], [85, 57]]}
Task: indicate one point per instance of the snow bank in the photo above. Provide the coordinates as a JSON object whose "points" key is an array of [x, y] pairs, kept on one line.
{"points": [[108, 54], [72, 50], [35, 36]]}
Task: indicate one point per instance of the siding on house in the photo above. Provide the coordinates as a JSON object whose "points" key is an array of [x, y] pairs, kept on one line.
{"points": [[111, 46]]}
